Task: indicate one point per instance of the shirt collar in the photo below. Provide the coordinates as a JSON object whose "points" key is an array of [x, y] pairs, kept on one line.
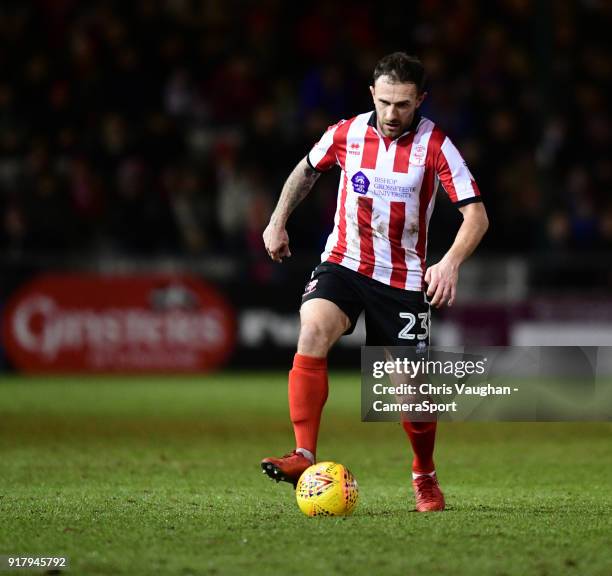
{"points": [[413, 126]]}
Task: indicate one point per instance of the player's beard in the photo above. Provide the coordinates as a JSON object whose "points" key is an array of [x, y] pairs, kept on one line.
{"points": [[395, 129], [392, 130]]}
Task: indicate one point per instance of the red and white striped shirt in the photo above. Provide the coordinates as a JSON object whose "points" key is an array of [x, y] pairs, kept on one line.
{"points": [[386, 195]]}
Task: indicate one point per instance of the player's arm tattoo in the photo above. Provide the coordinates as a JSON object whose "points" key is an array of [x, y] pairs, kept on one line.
{"points": [[296, 188]]}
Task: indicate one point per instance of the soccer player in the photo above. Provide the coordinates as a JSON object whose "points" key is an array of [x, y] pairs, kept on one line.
{"points": [[392, 160]]}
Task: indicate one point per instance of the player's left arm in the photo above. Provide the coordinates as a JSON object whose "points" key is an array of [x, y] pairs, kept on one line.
{"points": [[463, 191], [442, 277]]}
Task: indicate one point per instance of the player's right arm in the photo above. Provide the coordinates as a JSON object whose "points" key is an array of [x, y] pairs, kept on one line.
{"points": [[296, 188]]}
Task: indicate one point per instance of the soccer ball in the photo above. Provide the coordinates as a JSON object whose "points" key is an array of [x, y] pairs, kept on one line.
{"points": [[327, 489]]}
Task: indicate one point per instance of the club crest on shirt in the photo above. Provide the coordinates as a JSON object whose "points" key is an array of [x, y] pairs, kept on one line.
{"points": [[418, 155], [360, 183]]}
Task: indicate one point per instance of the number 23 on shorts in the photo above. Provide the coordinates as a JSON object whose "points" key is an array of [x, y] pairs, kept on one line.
{"points": [[406, 332]]}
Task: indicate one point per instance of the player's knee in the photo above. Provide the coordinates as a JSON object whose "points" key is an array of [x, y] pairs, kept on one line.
{"points": [[314, 339]]}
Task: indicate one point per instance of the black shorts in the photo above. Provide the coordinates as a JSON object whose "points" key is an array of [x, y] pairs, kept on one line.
{"points": [[393, 317]]}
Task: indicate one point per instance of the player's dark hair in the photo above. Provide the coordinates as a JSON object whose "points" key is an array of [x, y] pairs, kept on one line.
{"points": [[401, 68]]}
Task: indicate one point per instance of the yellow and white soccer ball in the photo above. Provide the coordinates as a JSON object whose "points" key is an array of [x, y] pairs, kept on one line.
{"points": [[327, 489]]}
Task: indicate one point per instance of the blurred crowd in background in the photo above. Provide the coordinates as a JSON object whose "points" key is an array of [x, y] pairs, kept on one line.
{"points": [[168, 127]]}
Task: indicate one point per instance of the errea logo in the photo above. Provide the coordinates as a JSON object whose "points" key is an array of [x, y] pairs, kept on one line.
{"points": [[354, 149], [311, 286]]}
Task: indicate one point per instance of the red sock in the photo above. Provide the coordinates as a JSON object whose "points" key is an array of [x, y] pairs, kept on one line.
{"points": [[422, 437], [307, 396]]}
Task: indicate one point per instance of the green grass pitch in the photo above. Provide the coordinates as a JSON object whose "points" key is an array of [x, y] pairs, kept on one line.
{"points": [[161, 476]]}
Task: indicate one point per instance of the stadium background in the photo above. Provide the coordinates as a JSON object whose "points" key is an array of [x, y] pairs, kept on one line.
{"points": [[155, 136], [143, 145]]}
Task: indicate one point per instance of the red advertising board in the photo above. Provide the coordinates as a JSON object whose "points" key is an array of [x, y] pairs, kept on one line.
{"points": [[93, 323]]}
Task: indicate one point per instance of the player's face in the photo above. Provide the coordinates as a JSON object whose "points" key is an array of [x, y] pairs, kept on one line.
{"points": [[395, 105]]}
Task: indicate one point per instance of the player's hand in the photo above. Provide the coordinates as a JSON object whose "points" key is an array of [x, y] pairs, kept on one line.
{"points": [[442, 279], [276, 241]]}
